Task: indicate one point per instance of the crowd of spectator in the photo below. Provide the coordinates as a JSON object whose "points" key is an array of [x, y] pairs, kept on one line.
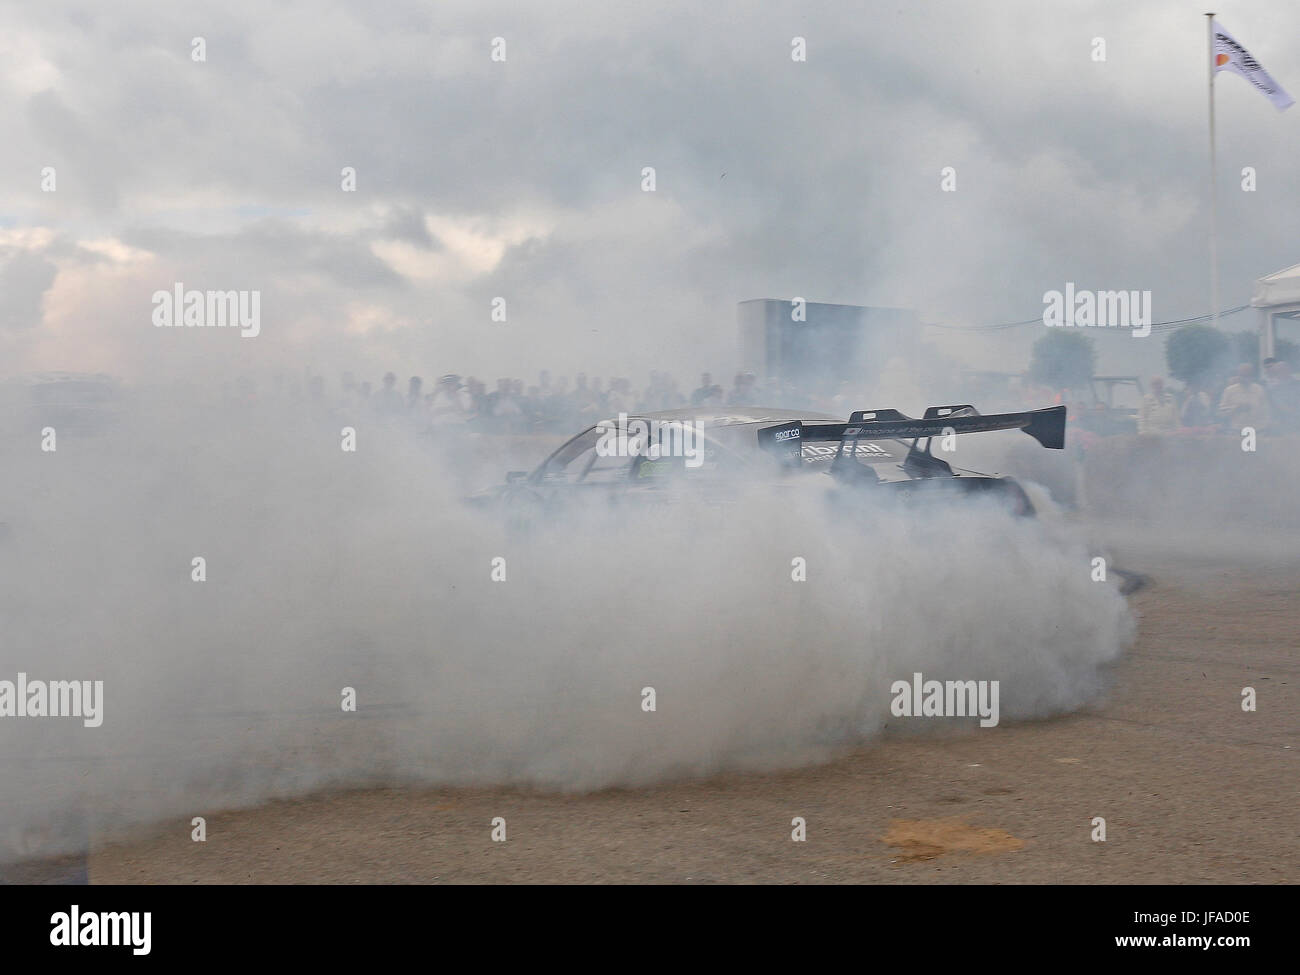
{"points": [[550, 405], [556, 405], [1273, 406]]}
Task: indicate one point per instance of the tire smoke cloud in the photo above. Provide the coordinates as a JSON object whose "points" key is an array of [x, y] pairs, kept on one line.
{"points": [[326, 569]]}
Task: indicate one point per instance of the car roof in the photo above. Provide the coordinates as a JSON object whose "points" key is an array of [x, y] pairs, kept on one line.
{"points": [[735, 427]]}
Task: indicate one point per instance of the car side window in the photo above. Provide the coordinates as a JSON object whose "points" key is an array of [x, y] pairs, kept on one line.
{"points": [[606, 469], [571, 460]]}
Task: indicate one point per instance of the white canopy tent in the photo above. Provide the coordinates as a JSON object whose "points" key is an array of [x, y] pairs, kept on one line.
{"points": [[1277, 295]]}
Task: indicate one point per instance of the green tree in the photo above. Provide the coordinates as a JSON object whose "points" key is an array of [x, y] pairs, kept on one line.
{"points": [[1198, 354], [1062, 359], [1246, 345]]}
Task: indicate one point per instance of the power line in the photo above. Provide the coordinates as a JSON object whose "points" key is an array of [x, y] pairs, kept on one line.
{"points": [[1155, 327]]}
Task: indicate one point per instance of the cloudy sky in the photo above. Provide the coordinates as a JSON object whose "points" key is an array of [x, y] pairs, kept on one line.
{"points": [[522, 178]]}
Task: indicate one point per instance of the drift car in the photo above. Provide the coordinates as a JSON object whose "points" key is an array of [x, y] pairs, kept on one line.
{"points": [[656, 456]]}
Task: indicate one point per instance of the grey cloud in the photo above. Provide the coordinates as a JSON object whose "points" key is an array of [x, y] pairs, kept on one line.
{"points": [[24, 279], [832, 166]]}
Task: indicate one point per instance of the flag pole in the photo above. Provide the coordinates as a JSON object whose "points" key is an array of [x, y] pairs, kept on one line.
{"points": [[1214, 195]]}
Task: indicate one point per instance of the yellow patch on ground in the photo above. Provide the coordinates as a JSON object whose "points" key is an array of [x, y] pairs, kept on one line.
{"points": [[925, 839]]}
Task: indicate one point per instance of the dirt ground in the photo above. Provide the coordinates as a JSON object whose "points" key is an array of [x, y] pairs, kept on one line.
{"points": [[1192, 789]]}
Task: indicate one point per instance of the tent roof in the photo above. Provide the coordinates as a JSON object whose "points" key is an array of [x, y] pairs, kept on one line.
{"points": [[1279, 288]]}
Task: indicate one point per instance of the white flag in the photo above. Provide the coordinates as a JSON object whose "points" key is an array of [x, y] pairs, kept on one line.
{"points": [[1231, 56]]}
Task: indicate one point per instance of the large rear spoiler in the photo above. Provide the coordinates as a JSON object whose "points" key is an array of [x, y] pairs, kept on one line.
{"points": [[1047, 426]]}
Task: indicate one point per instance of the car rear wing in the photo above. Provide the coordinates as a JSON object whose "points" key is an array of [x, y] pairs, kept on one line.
{"points": [[785, 440]]}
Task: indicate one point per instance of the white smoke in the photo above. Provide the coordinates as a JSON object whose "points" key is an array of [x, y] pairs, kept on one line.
{"points": [[328, 569]]}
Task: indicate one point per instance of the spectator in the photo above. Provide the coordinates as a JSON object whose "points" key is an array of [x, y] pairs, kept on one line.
{"points": [[702, 394], [450, 402], [389, 401], [523, 419], [1198, 408], [1283, 394], [1159, 410], [563, 401], [477, 397], [1244, 403], [504, 408], [619, 398], [742, 392], [585, 408]]}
